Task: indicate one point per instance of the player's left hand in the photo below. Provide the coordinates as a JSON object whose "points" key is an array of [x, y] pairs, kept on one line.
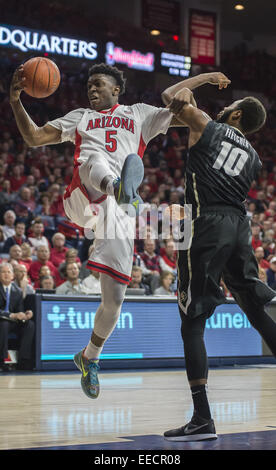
{"points": [[18, 84]]}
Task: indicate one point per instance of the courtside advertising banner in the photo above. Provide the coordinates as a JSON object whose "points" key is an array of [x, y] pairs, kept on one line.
{"points": [[146, 329]]}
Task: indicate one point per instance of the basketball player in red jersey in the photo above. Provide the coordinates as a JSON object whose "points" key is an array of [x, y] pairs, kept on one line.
{"points": [[110, 140]]}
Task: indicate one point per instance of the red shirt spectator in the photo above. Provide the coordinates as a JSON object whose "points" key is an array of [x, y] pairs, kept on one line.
{"points": [[252, 193], [168, 258], [256, 241], [43, 271], [56, 207], [264, 264], [17, 179], [26, 258], [59, 250], [259, 253], [43, 255]]}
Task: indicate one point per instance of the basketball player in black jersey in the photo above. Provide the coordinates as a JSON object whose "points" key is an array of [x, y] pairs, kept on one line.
{"points": [[221, 166]]}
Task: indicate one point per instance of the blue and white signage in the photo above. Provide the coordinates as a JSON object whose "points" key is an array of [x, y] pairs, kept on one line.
{"points": [[42, 42], [27, 40], [176, 64], [145, 330]]}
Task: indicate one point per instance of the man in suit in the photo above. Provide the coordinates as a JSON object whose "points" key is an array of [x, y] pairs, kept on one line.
{"points": [[13, 318]]}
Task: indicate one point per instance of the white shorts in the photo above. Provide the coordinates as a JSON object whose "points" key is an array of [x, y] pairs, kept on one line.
{"points": [[104, 220]]}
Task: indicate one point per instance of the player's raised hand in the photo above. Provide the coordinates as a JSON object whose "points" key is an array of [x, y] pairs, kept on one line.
{"points": [[218, 78], [17, 84]]}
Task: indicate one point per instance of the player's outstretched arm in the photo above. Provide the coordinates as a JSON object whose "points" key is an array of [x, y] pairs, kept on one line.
{"points": [[33, 135], [185, 113], [214, 78]]}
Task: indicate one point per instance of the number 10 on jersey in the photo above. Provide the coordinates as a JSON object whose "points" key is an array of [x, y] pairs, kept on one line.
{"points": [[231, 159]]}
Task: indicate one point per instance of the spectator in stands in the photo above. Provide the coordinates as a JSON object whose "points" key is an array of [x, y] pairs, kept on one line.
{"points": [[150, 264], [17, 179], [47, 282], [137, 280], [261, 203], [262, 275], [72, 285], [268, 246], [59, 249], [166, 280], [91, 284], [43, 208], [13, 318], [24, 203], [6, 195], [256, 235], [271, 273], [43, 257], [71, 256], [37, 238], [26, 257], [22, 280], [44, 271], [15, 254], [150, 261], [162, 172], [56, 204], [8, 227], [168, 259], [18, 238], [259, 253]]}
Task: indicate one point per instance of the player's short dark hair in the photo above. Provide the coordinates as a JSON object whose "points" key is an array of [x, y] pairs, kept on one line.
{"points": [[105, 69], [253, 114]]}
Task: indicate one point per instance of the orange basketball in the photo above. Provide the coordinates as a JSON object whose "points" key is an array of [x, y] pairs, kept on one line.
{"points": [[42, 77]]}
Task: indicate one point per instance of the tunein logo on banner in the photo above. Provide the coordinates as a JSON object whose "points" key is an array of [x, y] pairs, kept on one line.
{"points": [[56, 317], [83, 319]]}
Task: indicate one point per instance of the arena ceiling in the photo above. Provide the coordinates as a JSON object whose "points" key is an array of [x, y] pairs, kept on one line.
{"points": [[258, 17]]}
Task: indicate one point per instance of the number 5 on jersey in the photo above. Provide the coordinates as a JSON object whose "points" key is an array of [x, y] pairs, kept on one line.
{"points": [[110, 141], [231, 159]]}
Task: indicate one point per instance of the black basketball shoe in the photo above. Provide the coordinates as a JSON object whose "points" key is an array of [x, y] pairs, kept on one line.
{"points": [[198, 429]]}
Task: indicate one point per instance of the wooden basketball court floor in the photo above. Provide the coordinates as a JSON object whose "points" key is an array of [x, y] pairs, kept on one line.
{"points": [[48, 410]]}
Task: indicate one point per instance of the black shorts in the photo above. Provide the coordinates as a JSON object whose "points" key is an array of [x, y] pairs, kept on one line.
{"points": [[220, 248]]}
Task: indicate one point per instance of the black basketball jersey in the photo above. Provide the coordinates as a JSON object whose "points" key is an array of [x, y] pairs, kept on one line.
{"points": [[220, 168]]}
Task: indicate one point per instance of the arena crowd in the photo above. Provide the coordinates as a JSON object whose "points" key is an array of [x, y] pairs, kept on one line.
{"points": [[35, 232]]}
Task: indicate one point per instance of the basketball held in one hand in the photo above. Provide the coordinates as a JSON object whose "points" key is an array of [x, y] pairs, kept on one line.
{"points": [[42, 77]]}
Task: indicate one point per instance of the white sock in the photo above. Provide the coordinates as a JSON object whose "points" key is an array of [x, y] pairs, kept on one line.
{"points": [[92, 352]]}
